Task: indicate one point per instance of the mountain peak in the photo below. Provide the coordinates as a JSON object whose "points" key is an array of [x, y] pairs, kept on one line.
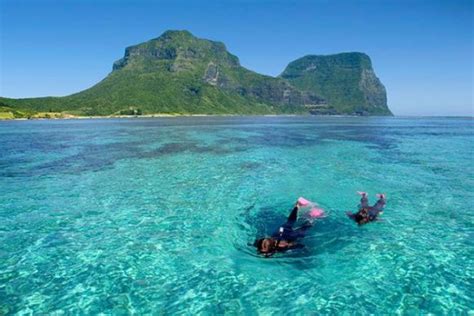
{"points": [[346, 80], [176, 34], [176, 50], [346, 59]]}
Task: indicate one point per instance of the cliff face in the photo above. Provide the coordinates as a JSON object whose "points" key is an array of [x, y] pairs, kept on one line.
{"points": [[178, 53], [347, 81], [180, 73]]}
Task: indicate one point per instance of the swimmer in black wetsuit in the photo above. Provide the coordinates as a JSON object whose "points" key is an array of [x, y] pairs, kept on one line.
{"points": [[285, 238], [369, 213]]}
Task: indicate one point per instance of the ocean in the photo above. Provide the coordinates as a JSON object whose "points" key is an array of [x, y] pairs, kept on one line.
{"points": [[158, 215]]}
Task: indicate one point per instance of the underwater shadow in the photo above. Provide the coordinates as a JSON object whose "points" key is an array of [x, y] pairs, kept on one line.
{"points": [[329, 235]]}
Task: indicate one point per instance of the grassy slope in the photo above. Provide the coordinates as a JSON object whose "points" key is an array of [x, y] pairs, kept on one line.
{"points": [[7, 112]]}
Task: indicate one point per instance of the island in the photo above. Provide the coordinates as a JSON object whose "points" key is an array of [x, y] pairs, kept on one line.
{"points": [[180, 74]]}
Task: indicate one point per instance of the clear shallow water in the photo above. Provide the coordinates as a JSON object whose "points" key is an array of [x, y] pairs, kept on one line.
{"points": [[155, 215]]}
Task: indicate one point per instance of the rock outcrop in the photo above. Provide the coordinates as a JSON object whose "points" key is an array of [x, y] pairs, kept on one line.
{"points": [[347, 81]]}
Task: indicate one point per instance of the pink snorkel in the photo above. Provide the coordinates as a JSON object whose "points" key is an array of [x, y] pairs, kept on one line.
{"points": [[315, 211]]}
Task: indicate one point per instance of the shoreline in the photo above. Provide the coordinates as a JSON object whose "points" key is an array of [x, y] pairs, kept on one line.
{"points": [[162, 115], [95, 117]]}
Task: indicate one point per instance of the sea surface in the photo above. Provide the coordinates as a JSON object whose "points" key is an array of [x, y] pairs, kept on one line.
{"points": [[158, 215]]}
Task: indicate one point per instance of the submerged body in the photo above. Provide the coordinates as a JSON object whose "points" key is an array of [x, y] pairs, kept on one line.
{"points": [[286, 237], [368, 213]]}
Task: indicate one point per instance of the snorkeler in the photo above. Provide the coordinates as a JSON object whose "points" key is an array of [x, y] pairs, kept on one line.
{"points": [[368, 213], [286, 237]]}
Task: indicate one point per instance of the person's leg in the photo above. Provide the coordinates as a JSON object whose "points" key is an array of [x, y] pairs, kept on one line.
{"points": [[364, 200], [380, 204], [292, 218], [378, 207]]}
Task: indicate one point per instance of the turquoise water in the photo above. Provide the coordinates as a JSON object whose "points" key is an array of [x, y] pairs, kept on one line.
{"points": [[156, 215]]}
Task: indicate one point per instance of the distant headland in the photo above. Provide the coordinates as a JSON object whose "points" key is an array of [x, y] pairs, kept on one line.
{"points": [[180, 74]]}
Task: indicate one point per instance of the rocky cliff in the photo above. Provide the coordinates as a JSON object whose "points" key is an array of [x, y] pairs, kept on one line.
{"points": [[347, 81]]}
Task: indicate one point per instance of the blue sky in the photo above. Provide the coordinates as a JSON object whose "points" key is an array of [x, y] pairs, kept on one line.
{"points": [[421, 50]]}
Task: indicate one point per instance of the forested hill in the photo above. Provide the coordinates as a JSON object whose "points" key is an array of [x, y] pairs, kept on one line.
{"points": [[178, 73]]}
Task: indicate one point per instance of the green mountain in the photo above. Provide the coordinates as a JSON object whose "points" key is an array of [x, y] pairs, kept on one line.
{"points": [[178, 73], [347, 81]]}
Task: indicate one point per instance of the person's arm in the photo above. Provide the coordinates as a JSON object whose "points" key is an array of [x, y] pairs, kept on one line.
{"points": [[295, 245], [283, 244]]}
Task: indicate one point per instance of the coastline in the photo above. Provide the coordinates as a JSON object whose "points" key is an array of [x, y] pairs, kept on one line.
{"points": [[95, 117], [165, 115], [74, 117]]}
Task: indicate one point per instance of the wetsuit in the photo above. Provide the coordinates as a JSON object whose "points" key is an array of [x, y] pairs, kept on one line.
{"points": [[375, 210], [364, 202], [287, 233], [369, 213]]}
